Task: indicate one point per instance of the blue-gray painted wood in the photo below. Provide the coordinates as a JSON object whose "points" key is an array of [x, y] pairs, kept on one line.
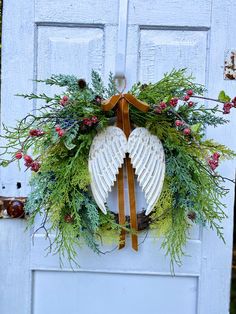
{"points": [[74, 37]]}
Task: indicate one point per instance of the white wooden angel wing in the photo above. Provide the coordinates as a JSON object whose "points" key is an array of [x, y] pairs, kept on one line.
{"points": [[147, 157], [106, 156]]}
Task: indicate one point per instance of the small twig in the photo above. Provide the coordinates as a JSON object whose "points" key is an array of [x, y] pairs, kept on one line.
{"points": [[207, 98]]}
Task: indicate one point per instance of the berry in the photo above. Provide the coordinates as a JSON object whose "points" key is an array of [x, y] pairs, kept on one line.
{"points": [[190, 92], [163, 105], [18, 155], [186, 98], [57, 128], [226, 108], [190, 104], [158, 110], [213, 164], [36, 132], [94, 120], [61, 132], [174, 102], [33, 132], [178, 123], [187, 131], [98, 99], [40, 133], [28, 159], [87, 122], [35, 166], [216, 156], [64, 100], [234, 102]]}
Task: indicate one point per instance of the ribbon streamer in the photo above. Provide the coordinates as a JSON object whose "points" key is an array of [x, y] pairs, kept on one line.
{"points": [[121, 102]]}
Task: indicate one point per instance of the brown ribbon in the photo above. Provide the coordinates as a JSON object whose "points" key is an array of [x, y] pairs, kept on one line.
{"points": [[122, 102]]}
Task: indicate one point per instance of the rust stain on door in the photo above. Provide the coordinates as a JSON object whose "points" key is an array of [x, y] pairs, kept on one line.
{"points": [[230, 65]]}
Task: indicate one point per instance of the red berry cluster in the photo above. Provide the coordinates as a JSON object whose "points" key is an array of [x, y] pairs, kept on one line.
{"points": [[174, 102], [59, 131], [90, 121], [229, 105], [36, 132], [180, 124], [213, 161], [162, 105], [186, 98], [64, 100], [34, 165]]}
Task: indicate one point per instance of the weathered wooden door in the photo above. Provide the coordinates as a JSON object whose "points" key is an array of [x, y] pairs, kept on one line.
{"points": [[42, 37]]}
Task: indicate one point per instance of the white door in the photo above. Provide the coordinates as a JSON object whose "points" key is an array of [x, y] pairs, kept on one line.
{"points": [[42, 37]]}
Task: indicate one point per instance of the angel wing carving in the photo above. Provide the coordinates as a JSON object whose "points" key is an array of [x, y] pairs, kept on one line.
{"points": [[148, 159], [107, 155]]}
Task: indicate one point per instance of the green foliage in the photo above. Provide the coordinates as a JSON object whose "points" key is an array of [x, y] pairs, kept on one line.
{"points": [[97, 84], [173, 84], [223, 97], [60, 189]]}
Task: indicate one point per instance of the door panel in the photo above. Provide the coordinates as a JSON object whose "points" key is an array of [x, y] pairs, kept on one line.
{"points": [[161, 50], [121, 292], [75, 37], [70, 50]]}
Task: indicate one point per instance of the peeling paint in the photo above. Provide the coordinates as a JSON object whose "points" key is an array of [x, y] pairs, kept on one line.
{"points": [[230, 65]]}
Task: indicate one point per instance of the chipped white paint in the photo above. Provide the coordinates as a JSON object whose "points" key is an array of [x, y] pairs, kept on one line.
{"points": [[70, 37], [107, 155]]}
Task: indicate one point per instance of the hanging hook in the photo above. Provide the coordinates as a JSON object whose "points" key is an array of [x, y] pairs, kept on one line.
{"points": [[121, 44], [120, 82]]}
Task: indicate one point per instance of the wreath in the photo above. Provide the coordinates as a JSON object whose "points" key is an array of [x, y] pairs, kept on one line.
{"points": [[59, 135]]}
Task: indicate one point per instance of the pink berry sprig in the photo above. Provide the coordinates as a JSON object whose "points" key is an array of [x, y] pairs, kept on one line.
{"points": [[173, 102], [227, 107], [90, 121], [18, 155], [61, 132], [213, 161], [34, 165], [190, 104], [186, 98], [64, 100], [189, 92], [187, 131], [160, 107], [183, 127], [179, 123], [36, 133]]}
